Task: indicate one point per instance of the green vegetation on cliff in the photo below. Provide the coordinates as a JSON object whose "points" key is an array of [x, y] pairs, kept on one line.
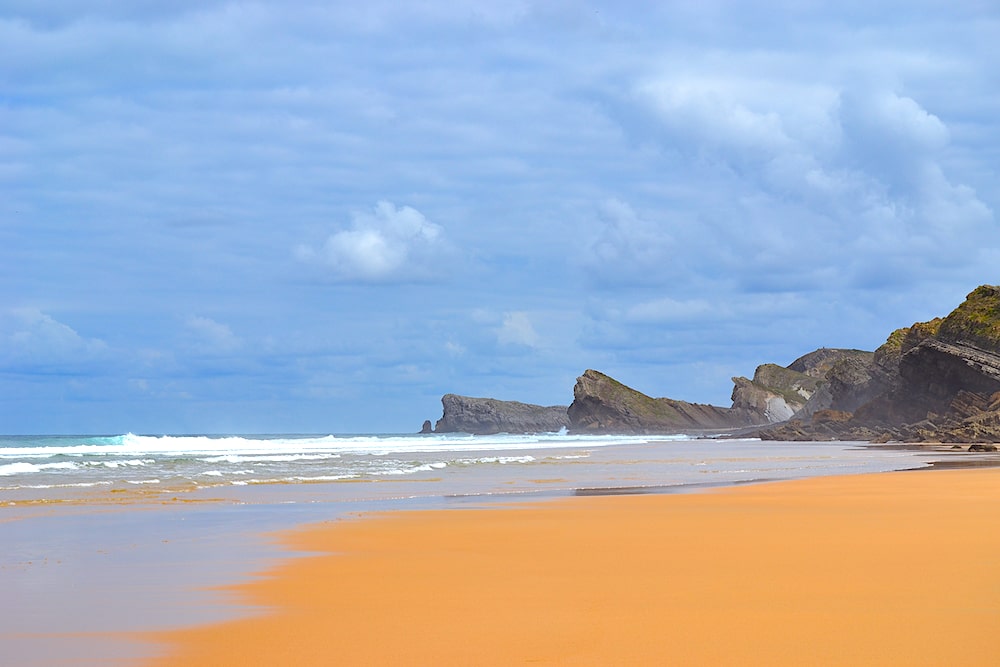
{"points": [[639, 406], [793, 386], [902, 340], [976, 321]]}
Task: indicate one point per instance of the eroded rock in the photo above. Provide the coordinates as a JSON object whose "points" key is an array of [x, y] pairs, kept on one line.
{"points": [[601, 404], [486, 416]]}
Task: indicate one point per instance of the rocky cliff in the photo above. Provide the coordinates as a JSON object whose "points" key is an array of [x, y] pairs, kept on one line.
{"points": [[810, 383], [486, 416], [604, 405], [933, 381], [849, 381], [774, 394], [936, 381]]}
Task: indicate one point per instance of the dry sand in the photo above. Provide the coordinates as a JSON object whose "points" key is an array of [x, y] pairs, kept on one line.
{"points": [[895, 569]]}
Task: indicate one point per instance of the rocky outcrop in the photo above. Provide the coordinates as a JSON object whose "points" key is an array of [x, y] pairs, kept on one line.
{"points": [[825, 379], [936, 381], [850, 381], [771, 406], [486, 416], [774, 395], [604, 405], [818, 363]]}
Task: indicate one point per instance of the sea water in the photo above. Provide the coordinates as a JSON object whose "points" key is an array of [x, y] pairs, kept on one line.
{"points": [[34, 468]]}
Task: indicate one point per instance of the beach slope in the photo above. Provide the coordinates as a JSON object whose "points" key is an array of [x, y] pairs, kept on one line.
{"points": [[893, 569]]}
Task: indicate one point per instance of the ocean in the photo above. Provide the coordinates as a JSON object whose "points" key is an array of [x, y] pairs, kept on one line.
{"points": [[380, 466]]}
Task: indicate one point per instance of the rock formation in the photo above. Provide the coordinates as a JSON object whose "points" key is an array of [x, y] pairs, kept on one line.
{"points": [[818, 363], [851, 380], [936, 381], [486, 416], [775, 393], [604, 405], [810, 383]]}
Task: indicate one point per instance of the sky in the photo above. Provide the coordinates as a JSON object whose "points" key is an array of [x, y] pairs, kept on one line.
{"points": [[316, 217]]}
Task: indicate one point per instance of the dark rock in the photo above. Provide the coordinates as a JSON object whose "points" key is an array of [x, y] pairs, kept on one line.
{"points": [[935, 371], [486, 416], [427, 427], [851, 380], [936, 381], [604, 405], [982, 448], [831, 416], [819, 362]]}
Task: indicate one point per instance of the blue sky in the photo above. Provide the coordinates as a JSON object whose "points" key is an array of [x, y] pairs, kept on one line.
{"points": [[320, 217]]}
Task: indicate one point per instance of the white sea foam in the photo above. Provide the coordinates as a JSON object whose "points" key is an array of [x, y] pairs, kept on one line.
{"points": [[269, 458], [58, 486], [319, 478], [23, 467], [142, 446], [426, 467], [239, 460], [131, 463], [503, 460]]}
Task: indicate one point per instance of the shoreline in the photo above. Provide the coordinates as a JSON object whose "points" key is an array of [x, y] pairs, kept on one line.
{"points": [[862, 569], [168, 558]]}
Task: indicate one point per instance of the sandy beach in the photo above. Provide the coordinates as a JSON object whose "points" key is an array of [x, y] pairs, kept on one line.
{"points": [[894, 568]]}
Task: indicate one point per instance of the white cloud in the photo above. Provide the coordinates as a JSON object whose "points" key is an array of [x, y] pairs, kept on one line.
{"points": [[858, 170], [883, 118], [517, 330], [387, 244], [34, 337], [716, 113], [211, 335]]}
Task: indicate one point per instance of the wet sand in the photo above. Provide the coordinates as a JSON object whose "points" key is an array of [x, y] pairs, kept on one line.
{"points": [[893, 568]]}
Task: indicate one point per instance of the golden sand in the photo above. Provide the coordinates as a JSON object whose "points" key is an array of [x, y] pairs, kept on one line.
{"points": [[893, 569]]}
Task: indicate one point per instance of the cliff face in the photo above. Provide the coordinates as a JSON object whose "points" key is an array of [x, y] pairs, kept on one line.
{"points": [[604, 405], [821, 380], [849, 381], [486, 416], [818, 363], [934, 381], [774, 395], [752, 398]]}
